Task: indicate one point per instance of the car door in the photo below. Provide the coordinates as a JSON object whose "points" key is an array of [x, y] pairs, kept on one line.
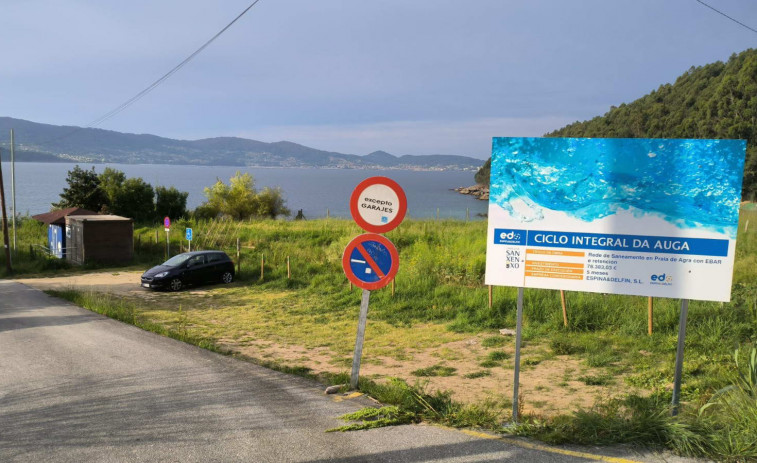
{"points": [[216, 266], [196, 268]]}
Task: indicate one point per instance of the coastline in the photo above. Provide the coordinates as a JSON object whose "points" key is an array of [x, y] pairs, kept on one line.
{"points": [[478, 191]]}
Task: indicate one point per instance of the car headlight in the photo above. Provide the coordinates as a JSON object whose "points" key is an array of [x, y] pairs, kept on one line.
{"points": [[161, 275]]}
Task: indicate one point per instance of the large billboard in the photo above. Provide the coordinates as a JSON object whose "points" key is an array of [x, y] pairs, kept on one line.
{"points": [[647, 217]]}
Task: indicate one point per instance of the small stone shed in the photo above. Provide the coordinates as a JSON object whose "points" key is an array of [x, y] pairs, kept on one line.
{"points": [[99, 239]]}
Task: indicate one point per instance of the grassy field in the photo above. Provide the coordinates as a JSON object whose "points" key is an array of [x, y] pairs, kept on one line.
{"points": [[440, 300]]}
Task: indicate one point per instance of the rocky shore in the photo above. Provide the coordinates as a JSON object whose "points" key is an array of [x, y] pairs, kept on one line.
{"points": [[479, 191]]}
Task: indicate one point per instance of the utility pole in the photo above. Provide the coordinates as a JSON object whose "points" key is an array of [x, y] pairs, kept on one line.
{"points": [[13, 192], [5, 221]]}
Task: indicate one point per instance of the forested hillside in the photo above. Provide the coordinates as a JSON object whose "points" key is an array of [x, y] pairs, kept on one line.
{"points": [[718, 100]]}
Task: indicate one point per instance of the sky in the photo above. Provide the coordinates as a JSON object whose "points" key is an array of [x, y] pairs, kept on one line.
{"points": [[407, 77]]}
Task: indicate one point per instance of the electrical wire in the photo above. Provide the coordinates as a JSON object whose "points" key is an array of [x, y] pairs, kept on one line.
{"points": [[165, 76], [153, 85], [723, 14]]}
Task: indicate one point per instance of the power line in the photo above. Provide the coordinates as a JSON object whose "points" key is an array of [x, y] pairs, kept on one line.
{"points": [[723, 14], [153, 85], [165, 76]]}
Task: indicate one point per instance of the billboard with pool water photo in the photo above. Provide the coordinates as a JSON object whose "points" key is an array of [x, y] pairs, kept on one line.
{"points": [[647, 217]]}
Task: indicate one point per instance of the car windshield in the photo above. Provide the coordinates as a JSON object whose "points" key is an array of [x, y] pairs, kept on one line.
{"points": [[175, 261]]}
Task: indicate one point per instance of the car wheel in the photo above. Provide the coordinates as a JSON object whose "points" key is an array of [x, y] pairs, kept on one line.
{"points": [[227, 277], [175, 284]]}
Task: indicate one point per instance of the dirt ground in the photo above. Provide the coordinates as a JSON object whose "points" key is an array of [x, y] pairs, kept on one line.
{"points": [[548, 386]]}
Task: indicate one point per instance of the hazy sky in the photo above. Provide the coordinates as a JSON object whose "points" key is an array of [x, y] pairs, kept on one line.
{"points": [[408, 77]]}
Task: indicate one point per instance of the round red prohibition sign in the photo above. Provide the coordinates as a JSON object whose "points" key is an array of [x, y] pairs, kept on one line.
{"points": [[370, 261], [378, 204]]}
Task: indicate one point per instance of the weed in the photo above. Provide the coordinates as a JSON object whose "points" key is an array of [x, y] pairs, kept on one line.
{"points": [[596, 380], [436, 370], [498, 355], [477, 374], [493, 341]]}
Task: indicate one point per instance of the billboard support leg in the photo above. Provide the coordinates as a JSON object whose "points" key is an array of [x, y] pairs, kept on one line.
{"points": [[518, 336], [679, 356], [359, 341]]}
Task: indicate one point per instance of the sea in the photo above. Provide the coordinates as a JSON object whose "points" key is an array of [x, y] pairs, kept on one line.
{"points": [[318, 192]]}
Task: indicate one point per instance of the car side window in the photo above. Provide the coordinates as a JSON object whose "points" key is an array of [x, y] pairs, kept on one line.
{"points": [[214, 258], [196, 260]]}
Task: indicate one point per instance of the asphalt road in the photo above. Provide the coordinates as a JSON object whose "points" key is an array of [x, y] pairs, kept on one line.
{"points": [[76, 386]]}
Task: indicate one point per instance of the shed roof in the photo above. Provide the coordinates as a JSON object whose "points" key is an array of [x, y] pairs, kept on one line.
{"points": [[99, 218], [59, 217]]}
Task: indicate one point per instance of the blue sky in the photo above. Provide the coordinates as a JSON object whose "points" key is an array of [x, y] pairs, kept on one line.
{"points": [[407, 77]]}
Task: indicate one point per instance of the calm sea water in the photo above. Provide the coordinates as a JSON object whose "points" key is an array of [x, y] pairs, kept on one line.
{"points": [[313, 190]]}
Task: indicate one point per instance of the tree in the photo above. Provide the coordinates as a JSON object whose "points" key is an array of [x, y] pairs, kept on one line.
{"points": [[135, 199], [239, 200], [111, 181], [270, 203], [170, 202], [83, 191]]}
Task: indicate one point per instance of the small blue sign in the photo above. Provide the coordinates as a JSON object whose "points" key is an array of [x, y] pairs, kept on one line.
{"points": [[371, 261], [189, 234]]}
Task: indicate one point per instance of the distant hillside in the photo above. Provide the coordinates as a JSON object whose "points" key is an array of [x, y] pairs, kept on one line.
{"points": [[51, 143], [718, 100]]}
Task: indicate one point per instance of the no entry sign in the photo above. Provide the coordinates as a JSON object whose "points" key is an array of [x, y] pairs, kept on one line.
{"points": [[370, 261], [378, 204]]}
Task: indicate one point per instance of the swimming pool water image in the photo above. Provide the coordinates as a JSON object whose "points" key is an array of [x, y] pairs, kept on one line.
{"points": [[689, 183]]}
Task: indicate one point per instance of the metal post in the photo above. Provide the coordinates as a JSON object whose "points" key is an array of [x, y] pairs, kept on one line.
{"points": [[650, 311], [679, 356], [359, 340], [518, 336], [5, 223], [168, 252], [13, 190]]}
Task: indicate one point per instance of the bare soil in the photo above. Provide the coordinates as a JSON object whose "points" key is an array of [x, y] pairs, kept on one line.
{"points": [[549, 384]]}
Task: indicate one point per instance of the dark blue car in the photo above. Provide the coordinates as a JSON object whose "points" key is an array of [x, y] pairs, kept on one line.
{"points": [[188, 269]]}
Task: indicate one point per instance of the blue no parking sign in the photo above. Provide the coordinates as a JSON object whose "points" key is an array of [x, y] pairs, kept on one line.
{"points": [[370, 261]]}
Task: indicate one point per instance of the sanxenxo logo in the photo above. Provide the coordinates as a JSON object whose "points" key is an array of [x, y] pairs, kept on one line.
{"points": [[509, 236], [661, 279]]}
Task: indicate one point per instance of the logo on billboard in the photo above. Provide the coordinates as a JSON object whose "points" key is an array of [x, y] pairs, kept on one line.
{"points": [[509, 236], [661, 279]]}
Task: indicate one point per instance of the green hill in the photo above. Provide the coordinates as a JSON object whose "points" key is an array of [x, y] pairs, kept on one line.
{"points": [[717, 100]]}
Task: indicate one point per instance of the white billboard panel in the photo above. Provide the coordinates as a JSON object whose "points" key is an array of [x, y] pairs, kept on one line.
{"points": [[648, 217]]}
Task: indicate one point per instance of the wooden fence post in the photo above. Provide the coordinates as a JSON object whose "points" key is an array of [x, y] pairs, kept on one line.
{"points": [[262, 266], [289, 269], [564, 308], [239, 259]]}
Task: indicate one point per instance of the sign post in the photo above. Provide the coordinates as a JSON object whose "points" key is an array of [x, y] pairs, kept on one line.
{"points": [[679, 356], [188, 235], [370, 261], [167, 225]]}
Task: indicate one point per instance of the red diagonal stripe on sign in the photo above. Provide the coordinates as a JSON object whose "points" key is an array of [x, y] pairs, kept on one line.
{"points": [[370, 260]]}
